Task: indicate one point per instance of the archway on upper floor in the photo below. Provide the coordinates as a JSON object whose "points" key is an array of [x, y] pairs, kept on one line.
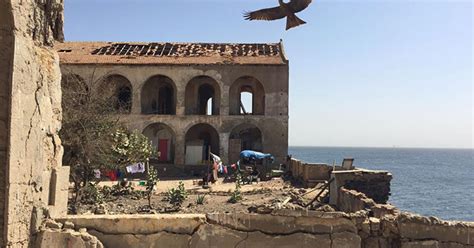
{"points": [[158, 96], [201, 140], [244, 137], [202, 96], [247, 97], [163, 139], [117, 90]]}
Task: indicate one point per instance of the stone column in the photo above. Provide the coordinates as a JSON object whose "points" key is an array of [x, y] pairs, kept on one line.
{"points": [[180, 98], [224, 149], [136, 96], [179, 152]]}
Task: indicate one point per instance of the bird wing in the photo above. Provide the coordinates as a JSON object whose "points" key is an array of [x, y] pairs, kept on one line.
{"points": [[265, 14], [299, 5]]}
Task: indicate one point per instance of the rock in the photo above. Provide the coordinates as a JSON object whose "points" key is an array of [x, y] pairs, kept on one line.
{"points": [[326, 208], [68, 225], [421, 244], [374, 225], [53, 224], [346, 240], [83, 230], [69, 238], [100, 209]]}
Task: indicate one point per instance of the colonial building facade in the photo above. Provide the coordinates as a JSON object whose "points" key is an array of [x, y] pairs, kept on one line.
{"points": [[187, 98]]}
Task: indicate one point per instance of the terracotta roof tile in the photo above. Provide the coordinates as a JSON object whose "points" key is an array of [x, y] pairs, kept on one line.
{"points": [[169, 53]]}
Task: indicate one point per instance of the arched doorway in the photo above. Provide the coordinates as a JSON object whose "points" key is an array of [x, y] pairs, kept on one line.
{"points": [[159, 96], [244, 137], [247, 96], [117, 90], [201, 139], [163, 139], [202, 96]]}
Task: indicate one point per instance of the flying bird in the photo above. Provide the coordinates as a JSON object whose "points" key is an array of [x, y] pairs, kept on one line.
{"points": [[287, 10]]}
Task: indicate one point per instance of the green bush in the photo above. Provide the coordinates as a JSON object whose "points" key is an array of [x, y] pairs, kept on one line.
{"points": [[176, 196], [236, 196], [201, 199], [91, 194]]}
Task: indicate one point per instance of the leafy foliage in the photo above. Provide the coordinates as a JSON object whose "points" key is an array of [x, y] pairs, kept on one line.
{"points": [[176, 196], [131, 147], [92, 136]]}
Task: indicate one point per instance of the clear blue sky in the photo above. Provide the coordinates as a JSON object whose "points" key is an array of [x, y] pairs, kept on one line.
{"points": [[362, 73]]}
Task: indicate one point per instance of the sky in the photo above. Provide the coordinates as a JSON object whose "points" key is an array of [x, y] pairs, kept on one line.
{"points": [[362, 73]]}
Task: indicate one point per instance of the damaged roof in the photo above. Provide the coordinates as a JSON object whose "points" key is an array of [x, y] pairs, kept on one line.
{"points": [[170, 53]]}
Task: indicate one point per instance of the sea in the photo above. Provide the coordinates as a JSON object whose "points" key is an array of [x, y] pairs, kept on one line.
{"points": [[430, 182]]}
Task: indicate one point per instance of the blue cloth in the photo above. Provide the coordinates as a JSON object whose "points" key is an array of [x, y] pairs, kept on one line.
{"points": [[253, 155]]}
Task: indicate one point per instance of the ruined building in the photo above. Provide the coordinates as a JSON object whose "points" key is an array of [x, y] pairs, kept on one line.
{"points": [[186, 97]]}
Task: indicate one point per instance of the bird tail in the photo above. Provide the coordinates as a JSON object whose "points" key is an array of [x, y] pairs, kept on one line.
{"points": [[293, 21]]}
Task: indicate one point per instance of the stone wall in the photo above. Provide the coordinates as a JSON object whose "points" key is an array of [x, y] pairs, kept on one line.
{"points": [[281, 228], [351, 201], [30, 117], [374, 184], [310, 173]]}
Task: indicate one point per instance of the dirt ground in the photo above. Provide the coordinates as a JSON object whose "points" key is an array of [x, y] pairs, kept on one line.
{"points": [[259, 197]]}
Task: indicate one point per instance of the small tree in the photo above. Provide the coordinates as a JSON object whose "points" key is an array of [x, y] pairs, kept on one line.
{"points": [[92, 135], [176, 196], [130, 147], [151, 180], [236, 196]]}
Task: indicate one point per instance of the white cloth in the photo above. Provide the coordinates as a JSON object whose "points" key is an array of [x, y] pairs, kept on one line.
{"points": [[97, 173], [216, 159], [136, 168]]}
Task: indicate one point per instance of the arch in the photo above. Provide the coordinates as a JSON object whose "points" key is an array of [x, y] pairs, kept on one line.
{"points": [[251, 85], [118, 90], [163, 139], [245, 136], [199, 138], [199, 91], [74, 89], [158, 96]]}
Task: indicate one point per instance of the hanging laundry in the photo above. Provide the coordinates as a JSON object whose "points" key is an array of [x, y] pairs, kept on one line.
{"points": [[136, 168], [97, 173], [111, 174]]}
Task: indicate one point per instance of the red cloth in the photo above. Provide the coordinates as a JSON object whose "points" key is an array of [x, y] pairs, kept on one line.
{"points": [[112, 175]]}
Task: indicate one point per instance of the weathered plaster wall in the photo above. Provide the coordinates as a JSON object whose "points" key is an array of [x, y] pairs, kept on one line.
{"points": [[281, 228], [6, 55], [30, 94], [273, 125]]}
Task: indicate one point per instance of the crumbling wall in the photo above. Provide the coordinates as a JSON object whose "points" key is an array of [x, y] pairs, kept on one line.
{"points": [[281, 228], [351, 201], [310, 173], [30, 95], [374, 184]]}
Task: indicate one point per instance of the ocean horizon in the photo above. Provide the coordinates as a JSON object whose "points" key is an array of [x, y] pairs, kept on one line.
{"points": [[428, 181]]}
